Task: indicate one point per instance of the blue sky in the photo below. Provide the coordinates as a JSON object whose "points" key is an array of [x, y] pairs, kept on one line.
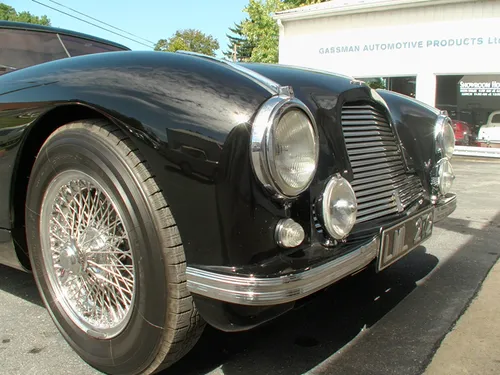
{"points": [[149, 19]]}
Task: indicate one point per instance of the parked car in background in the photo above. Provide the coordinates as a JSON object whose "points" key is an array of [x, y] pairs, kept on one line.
{"points": [[151, 193], [463, 133], [489, 134]]}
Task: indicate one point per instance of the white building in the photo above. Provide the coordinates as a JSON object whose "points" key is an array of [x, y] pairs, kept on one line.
{"points": [[444, 52]]}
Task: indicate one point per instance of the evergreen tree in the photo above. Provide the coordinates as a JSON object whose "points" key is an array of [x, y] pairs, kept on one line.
{"points": [[239, 47]]}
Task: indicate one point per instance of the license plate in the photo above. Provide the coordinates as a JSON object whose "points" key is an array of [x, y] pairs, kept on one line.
{"points": [[399, 240]]}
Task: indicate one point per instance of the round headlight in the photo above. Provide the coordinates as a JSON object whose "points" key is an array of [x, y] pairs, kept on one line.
{"points": [[284, 147], [445, 176], [445, 136], [293, 152], [339, 207]]}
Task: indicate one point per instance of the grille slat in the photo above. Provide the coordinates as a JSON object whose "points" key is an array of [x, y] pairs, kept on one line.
{"points": [[390, 185], [380, 207], [369, 182], [382, 164], [368, 133], [371, 144], [368, 199], [376, 215], [352, 138], [413, 192], [382, 171], [373, 157], [380, 182], [371, 150], [362, 117], [366, 125], [368, 193], [378, 202]]}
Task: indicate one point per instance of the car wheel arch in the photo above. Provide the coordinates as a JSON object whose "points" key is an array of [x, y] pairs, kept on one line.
{"points": [[34, 137]]}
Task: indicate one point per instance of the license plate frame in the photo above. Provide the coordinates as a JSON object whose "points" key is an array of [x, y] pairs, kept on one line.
{"points": [[398, 240]]}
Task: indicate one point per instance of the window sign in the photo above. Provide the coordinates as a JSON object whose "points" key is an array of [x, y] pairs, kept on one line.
{"points": [[473, 104], [479, 88]]}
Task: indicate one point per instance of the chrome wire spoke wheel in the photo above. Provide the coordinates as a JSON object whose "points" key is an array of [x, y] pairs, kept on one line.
{"points": [[106, 252], [87, 254]]}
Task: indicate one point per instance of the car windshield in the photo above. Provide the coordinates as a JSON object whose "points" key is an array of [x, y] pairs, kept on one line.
{"points": [[22, 48]]}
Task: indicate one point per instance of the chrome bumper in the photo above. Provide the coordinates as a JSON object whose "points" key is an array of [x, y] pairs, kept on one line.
{"points": [[445, 207], [263, 291], [266, 291]]}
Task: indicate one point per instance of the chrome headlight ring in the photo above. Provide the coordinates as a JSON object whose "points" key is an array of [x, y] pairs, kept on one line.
{"points": [[443, 177], [262, 148], [338, 207], [444, 137]]}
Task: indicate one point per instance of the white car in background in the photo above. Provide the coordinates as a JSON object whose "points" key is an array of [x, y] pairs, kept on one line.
{"points": [[489, 134]]}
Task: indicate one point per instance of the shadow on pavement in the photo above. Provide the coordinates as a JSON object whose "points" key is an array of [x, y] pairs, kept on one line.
{"points": [[309, 336], [19, 284], [297, 341], [406, 323], [303, 338]]}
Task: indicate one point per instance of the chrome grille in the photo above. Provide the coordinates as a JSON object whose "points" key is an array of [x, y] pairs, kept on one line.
{"points": [[381, 185]]}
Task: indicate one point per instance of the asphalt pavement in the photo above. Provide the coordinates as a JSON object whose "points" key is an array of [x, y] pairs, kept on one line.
{"points": [[387, 323]]}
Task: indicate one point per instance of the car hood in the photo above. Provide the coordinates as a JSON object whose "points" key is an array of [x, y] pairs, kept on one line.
{"points": [[325, 94]]}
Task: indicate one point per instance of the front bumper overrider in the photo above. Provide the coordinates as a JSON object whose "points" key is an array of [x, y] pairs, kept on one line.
{"points": [[267, 290], [445, 207]]}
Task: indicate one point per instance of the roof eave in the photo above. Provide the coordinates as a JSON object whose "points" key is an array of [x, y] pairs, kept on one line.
{"points": [[360, 8]]}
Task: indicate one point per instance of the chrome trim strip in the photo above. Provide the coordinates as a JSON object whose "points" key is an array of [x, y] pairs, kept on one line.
{"points": [[445, 207], [63, 46], [264, 291]]}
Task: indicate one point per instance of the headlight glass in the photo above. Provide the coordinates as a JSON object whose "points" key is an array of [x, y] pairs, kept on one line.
{"points": [[293, 152], [445, 137], [445, 176], [448, 140], [284, 146], [339, 207]]}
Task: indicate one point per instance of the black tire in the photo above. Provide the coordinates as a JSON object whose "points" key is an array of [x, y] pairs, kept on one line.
{"points": [[164, 323]]}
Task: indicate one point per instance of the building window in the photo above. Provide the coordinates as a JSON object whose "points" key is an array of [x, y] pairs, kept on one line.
{"points": [[470, 101]]}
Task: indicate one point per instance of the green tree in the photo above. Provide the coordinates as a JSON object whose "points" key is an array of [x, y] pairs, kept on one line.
{"points": [[301, 3], [261, 30], [239, 44], [8, 13], [189, 40], [376, 83]]}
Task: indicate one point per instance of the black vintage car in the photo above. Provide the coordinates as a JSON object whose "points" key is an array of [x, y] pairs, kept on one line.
{"points": [[152, 192]]}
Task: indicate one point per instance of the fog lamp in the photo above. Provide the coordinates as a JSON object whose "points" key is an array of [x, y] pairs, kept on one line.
{"points": [[445, 176], [339, 207], [289, 233]]}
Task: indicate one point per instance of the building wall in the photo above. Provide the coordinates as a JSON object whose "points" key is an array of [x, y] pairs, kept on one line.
{"points": [[445, 39]]}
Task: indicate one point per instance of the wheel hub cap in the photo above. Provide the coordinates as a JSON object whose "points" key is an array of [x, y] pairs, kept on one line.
{"points": [[87, 254], [70, 261]]}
